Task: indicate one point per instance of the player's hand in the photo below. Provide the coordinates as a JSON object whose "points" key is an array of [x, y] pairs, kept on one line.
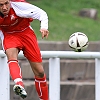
{"points": [[44, 33]]}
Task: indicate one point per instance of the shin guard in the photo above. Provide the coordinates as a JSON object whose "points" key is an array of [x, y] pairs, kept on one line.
{"points": [[42, 88]]}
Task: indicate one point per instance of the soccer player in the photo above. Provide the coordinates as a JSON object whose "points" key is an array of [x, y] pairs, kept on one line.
{"points": [[17, 34]]}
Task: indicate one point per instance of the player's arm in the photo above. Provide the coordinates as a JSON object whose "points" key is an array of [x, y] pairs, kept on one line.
{"points": [[30, 11]]}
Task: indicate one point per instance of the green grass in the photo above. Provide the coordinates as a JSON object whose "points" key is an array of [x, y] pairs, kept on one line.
{"points": [[64, 19]]}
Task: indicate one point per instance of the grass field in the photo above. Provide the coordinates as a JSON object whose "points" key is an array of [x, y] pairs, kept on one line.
{"points": [[64, 19]]}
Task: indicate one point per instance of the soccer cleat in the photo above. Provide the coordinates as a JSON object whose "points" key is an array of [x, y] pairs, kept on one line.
{"points": [[19, 90]]}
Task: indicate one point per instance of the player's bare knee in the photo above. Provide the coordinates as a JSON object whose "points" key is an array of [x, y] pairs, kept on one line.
{"points": [[41, 74]]}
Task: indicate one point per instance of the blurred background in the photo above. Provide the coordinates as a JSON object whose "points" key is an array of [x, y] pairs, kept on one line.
{"points": [[66, 17]]}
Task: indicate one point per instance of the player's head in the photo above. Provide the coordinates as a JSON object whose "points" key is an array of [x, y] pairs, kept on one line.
{"points": [[4, 6]]}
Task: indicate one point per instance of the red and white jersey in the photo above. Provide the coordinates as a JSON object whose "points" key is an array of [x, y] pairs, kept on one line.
{"points": [[20, 16]]}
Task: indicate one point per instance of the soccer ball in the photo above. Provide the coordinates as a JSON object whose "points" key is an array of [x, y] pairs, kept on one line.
{"points": [[78, 41]]}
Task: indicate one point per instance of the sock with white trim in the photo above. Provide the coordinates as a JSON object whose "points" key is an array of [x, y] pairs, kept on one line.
{"points": [[15, 71], [42, 88]]}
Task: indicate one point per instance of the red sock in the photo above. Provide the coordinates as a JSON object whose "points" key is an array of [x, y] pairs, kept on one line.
{"points": [[15, 71], [42, 88]]}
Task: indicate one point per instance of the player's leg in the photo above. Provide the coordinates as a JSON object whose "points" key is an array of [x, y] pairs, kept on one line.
{"points": [[15, 71], [40, 80], [32, 53]]}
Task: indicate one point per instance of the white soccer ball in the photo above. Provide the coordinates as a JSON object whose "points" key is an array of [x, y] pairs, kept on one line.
{"points": [[78, 41]]}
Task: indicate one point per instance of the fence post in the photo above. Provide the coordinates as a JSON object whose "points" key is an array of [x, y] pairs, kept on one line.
{"points": [[54, 78], [4, 79], [97, 79]]}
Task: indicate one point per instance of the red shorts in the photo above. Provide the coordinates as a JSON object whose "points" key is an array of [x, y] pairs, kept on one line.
{"points": [[25, 41]]}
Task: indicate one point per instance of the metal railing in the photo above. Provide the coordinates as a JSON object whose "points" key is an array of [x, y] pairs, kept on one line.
{"points": [[54, 71]]}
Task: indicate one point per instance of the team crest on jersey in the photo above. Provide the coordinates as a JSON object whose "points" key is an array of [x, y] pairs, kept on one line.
{"points": [[12, 17]]}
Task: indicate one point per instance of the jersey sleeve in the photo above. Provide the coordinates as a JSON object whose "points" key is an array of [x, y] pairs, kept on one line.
{"points": [[26, 10], [1, 35]]}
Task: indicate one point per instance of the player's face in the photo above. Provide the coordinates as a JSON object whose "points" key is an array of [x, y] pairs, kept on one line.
{"points": [[4, 6]]}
